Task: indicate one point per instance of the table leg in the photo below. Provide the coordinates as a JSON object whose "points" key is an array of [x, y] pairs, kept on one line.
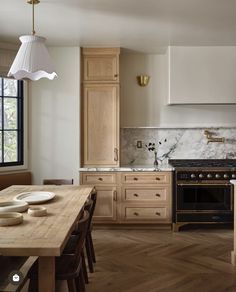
{"points": [[46, 275]]}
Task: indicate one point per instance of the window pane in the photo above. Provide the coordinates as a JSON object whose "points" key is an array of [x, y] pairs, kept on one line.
{"points": [[0, 146], [10, 146], [10, 113], [0, 113], [10, 87]]}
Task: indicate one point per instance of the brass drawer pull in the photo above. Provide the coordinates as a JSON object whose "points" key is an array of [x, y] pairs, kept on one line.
{"points": [[158, 195], [115, 196], [157, 178], [100, 178], [158, 213], [116, 157], [136, 195], [136, 213], [135, 178]]}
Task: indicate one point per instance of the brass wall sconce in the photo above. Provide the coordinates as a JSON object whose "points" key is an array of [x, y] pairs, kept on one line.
{"points": [[143, 80], [209, 137]]}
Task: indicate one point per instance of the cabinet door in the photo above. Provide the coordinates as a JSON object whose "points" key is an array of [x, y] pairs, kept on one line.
{"points": [[105, 209], [101, 68], [101, 125]]}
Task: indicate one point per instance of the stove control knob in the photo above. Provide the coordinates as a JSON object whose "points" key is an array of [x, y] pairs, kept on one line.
{"points": [[201, 175], [217, 175], [209, 175], [226, 175], [233, 175], [192, 175]]}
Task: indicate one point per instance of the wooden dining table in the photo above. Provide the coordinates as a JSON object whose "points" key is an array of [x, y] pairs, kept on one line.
{"points": [[46, 236]]}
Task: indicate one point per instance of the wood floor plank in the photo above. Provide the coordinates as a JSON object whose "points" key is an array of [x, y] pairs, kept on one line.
{"points": [[159, 260]]}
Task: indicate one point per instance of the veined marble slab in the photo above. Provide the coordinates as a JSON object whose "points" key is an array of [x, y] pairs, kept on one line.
{"points": [[165, 167], [175, 144]]}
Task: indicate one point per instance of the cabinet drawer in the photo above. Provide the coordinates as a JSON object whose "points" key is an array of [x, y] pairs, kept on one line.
{"points": [[151, 178], [97, 178], [147, 213], [149, 194]]}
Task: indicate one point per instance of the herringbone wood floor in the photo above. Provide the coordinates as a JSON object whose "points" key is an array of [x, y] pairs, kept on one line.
{"points": [[159, 260]]}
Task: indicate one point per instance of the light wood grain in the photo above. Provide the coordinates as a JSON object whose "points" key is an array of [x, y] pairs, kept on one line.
{"points": [[44, 236], [100, 107], [101, 65], [146, 178], [119, 196], [47, 273], [101, 125], [98, 178]]}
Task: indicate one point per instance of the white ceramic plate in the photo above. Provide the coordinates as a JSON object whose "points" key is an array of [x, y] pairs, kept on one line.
{"points": [[10, 218], [35, 197], [13, 206]]}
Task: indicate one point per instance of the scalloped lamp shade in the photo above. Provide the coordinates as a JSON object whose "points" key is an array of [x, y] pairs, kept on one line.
{"points": [[32, 60]]}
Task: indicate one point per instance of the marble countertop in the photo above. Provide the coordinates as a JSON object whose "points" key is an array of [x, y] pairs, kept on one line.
{"points": [[165, 167], [233, 181]]}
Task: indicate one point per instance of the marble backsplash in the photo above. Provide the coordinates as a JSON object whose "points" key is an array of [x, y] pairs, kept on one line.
{"points": [[180, 144]]}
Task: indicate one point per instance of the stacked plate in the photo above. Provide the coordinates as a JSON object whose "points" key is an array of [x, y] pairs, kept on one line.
{"points": [[9, 210]]}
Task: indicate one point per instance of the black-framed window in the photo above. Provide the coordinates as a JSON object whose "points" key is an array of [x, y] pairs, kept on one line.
{"points": [[11, 122]]}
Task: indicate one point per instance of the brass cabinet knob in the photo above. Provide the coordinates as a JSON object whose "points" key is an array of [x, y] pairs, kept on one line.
{"points": [[158, 213], [158, 195], [136, 213], [116, 75], [135, 178], [136, 195], [100, 178], [157, 178]]}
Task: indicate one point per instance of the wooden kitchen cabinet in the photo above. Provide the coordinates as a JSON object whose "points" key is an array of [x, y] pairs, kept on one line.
{"points": [[101, 64], [123, 201], [106, 206], [100, 107], [107, 195], [101, 125], [146, 197]]}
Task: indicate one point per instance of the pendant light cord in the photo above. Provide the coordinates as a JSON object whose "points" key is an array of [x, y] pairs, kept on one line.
{"points": [[33, 31]]}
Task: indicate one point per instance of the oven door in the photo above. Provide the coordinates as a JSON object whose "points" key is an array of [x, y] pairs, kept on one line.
{"points": [[204, 197]]}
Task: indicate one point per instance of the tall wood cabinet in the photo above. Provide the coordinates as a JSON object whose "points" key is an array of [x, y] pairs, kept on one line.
{"points": [[100, 107]]}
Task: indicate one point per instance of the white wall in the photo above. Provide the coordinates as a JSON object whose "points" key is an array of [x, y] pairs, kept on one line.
{"points": [[147, 106], [54, 119]]}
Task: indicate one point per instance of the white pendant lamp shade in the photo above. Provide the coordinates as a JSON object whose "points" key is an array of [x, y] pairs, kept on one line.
{"points": [[32, 60]]}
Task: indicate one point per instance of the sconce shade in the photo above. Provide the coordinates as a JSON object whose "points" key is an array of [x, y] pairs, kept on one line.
{"points": [[32, 60], [143, 80]]}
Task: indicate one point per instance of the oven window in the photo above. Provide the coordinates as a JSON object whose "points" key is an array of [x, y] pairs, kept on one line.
{"points": [[199, 197]]}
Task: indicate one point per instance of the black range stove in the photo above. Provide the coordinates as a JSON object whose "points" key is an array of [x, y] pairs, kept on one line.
{"points": [[205, 169], [202, 191], [206, 163]]}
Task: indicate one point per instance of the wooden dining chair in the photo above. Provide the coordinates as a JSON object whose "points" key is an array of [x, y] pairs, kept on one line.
{"points": [[58, 182], [90, 207], [89, 241], [67, 266]]}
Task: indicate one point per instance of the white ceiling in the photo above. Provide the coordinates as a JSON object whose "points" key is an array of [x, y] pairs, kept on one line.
{"points": [[146, 25]]}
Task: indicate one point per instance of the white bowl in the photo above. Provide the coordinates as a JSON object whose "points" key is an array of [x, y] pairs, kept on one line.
{"points": [[37, 211], [13, 206], [10, 218]]}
